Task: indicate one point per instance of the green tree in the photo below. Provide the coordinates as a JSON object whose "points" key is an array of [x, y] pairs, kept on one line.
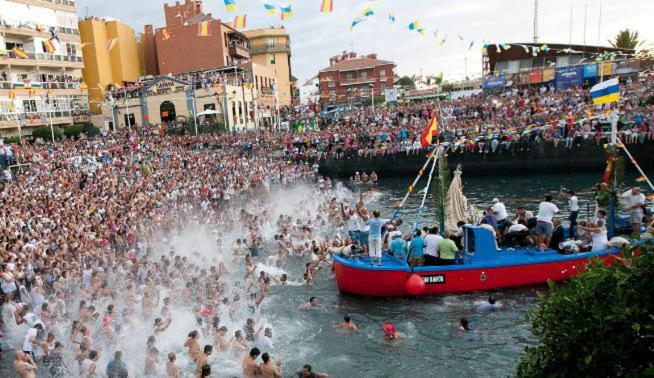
{"points": [[45, 133], [407, 82], [601, 324], [627, 39]]}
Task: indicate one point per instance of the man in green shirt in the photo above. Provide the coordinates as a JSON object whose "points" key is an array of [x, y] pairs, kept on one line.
{"points": [[447, 251], [398, 246]]}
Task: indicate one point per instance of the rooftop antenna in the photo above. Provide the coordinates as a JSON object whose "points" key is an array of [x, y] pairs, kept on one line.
{"points": [[87, 11], [535, 21]]}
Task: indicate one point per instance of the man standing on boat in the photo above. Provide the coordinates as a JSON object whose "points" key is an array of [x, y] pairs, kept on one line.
{"points": [[375, 237], [501, 217], [636, 202], [352, 221], [544, 227], [573, 203]]}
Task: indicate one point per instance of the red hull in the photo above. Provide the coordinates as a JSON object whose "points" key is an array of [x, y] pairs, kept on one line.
{"points": [[391, 283]]}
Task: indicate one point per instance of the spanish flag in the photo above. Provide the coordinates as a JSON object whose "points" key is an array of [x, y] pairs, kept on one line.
{"points": [[650, 196], [430, 132], [327, 6], [204, 29], [240, 21], [165, 34], [608, 171], [20, 53], [48, 46]]}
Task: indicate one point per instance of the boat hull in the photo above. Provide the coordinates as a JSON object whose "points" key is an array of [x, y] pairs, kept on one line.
{"points": [[392, 282]]}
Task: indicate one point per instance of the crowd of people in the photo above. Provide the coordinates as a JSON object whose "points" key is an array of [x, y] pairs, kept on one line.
{"points": [[485, 123]]}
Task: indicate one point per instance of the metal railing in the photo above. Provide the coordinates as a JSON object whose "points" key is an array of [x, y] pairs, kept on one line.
{"points": [[47, 57], [44, 85]]}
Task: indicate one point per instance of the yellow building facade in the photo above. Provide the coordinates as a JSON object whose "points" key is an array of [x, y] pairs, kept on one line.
{"points": [[110, 57], [271, 47]]}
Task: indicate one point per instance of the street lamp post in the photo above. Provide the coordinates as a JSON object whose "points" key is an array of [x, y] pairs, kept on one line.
{"points": [[372, 95]]}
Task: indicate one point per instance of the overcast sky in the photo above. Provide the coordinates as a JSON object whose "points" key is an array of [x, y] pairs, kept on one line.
{"points": [[316, 36]]}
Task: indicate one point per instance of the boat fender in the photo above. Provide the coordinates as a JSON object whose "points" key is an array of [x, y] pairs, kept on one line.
{"points": [[414, 285]]}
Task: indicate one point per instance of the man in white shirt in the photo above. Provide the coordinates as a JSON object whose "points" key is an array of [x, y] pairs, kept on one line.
{"points": [[636, 203], [30, 340], [544, 227], [573, 203], [501, 216], [431, 246], [266, 341]]}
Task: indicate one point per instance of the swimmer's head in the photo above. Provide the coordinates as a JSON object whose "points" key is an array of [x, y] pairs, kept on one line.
{"points": [[389, 329]]}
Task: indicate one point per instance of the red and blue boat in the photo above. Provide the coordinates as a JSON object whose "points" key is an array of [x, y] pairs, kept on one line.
{"points": [[483, 266]]}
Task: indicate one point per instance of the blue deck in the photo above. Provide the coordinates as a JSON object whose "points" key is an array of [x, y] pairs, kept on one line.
{"points": [[485, 256]]}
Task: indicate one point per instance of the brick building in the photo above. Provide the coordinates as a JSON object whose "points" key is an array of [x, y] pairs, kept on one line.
{"points": [[177, 47], [351, 78]]}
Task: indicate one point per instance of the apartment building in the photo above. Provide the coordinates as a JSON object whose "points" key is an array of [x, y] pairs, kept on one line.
{"points": [[40, 66]]}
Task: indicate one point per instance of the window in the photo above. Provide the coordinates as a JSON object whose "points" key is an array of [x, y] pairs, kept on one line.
{"points": [[270, 42], [382, 73], [364, 75], [29, 106], [271, 58], [383, 87], [349, 76]]}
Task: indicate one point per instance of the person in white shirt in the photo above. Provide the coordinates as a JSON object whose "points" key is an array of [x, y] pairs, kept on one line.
{"points": [[599, 235], [30, 340], [544, 227], [636, 202], [501, 216], [266, 341], [431, 246], [573, 203]]}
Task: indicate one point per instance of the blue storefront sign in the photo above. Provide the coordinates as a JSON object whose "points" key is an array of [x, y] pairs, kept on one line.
{"points": [[567, 77], [494, 82], [590, 70]]}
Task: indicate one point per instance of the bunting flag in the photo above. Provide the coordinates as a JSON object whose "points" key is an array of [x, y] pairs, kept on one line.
{"points": [[204, 29], [240, 21], [20, 53], [230, 5], [505, 46], [436, 34], [110, 44], [641, 179], [650, 196], [472, 43], [165, 34], [460, 37], [421, 30], [391, 17], [414, 25], [354, 23], [270, 9], [367, 12], [4, 54], [525, 47], [287, 12], [327, 6], [544, 48], [442, 42], [535, 51], [430, 131], [48, 46], [32, 92]]}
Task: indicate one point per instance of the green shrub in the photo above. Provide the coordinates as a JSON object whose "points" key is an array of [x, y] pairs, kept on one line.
{"points": [[74, 131], [12, 139], [600, 324], [44, 133], [92, 130]]}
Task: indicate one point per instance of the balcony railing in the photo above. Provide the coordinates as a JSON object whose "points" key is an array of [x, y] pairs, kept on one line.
{"points": [[69, 3], [264, 48], [239, 51], [44, 56], [357, 80], [44, 85]]}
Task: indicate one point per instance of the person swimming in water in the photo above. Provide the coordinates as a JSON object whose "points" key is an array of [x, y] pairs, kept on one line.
{"points": [[487, 305], [464, 325], [390, 333], [347, 323]]}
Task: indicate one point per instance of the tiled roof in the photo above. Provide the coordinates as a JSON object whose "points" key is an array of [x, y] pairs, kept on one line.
{"points": [[355, 64]]}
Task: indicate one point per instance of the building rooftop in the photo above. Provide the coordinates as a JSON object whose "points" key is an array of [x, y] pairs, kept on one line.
{"points": [[356, 64]]}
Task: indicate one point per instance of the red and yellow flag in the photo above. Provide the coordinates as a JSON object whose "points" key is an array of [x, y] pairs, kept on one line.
{"points": [[204, 29], [327, 6], [240, 21], [20, 53], [608, 171], [165, 34], [430, 132], [12, 94], [48, 46]]}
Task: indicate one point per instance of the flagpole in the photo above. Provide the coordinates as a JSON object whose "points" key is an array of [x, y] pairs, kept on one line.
{"points": [[129, 124], [633, 161]]}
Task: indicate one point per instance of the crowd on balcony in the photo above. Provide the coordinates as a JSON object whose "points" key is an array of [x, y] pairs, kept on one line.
{"points": [[494, 123]]}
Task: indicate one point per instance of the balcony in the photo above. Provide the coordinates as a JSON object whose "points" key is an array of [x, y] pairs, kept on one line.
{"points": [[65, 5], [357, 80], [265, 49], [64, 34], [44, 60], [238, 51]]}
